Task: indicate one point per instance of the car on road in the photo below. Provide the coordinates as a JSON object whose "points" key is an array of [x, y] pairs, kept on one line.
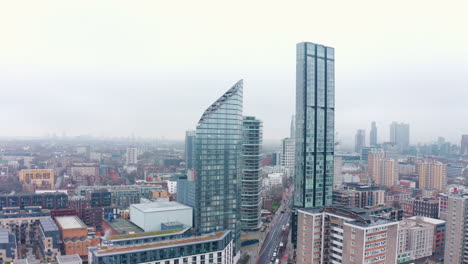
{"points": [[282, 211], [283, 228]]}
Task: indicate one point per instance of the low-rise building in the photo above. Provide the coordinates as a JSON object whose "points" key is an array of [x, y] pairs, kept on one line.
{"points": [[76, 236], [49, 200], [49, 238], [208, 248], [40, 179], [8, 246], [426, 206], [23, 223], [69, 259]]}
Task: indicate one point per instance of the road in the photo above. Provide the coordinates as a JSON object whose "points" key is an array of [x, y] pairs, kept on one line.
{"points": [[276, 235]]}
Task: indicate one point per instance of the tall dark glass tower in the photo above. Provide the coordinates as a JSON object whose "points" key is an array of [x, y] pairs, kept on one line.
{"points": [[251, 174], [218, 147], [315, 117], [189, 148]]}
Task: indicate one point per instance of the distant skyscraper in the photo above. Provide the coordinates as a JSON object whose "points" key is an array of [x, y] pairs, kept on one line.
{"points": [[218, 148], [251, 174], [400, 135], [189, 149], [464, 145], [373, 135], [293, 127], [456, 246], [315, 119], [132, 156], [338, 172], [360, 140], [287, 154]]}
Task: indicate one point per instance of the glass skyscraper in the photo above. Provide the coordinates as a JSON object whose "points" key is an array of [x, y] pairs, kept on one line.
{"points": [[315, 117], [251, 176], [218, 147]]}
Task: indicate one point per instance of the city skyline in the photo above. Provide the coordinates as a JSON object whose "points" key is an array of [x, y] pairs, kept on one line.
{"points": [[141, 65]]}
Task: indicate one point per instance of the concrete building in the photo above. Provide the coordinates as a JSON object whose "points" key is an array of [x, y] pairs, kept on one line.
{"points": [[426, 206], [273, 180], [315, 125], [8, 246], [251, 184], [336, 235], [359, 196], [49, 239], [439, 227], [40, 179], [147, 237], [208, 248], [385, 172], [288, 146], [432, 174], [84, 174], [171, 186], [414, 240], [456, 247], [131, 156], [76, 238], [151, 216], [372, 158]]}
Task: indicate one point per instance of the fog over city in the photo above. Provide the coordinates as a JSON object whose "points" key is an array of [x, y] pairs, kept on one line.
{"points": [[150, 68]]}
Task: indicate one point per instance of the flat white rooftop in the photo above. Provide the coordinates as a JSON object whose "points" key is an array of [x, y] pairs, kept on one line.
{"points": [[70, 222], [428, 220], [160, 207], [69, 259]]}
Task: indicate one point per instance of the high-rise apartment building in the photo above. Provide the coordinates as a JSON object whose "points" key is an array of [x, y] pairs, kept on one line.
{"points": [[373, 135], [315, 118], [132, 156], [359, 140], [218, 149], [432, 174], [456, 246], [337, 235], [400, 135], [288, 146], [382, 171], [189, 148], [251, 174], [464, 145]]}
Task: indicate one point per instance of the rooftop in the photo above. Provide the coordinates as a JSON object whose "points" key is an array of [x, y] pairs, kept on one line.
{"points": [[70, 222], [48, 224], [160, 206], [428, 220], [69, 259], [123, 226], [149, 234], [4, 236], [111, 250]]}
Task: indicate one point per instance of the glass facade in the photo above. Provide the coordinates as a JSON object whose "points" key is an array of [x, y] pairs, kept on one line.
{"points": [[218, 146], [251, 176], [315, 114]]}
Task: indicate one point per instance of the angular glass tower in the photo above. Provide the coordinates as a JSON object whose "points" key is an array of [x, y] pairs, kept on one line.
{"points": [[251, 176], [218, 147], [315, 117]]}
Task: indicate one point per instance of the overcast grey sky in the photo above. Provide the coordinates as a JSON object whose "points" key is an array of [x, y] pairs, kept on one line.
{"points": [[152, 67]]}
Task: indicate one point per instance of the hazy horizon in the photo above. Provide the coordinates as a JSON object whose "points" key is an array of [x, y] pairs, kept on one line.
{"points": [[115, 68]]}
